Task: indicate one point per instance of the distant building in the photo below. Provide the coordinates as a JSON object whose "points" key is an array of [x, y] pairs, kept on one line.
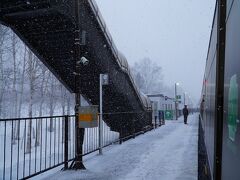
{"points": [[161, 104]]}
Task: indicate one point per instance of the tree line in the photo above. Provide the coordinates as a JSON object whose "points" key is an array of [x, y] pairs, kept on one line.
{"points": [[27, 87]]}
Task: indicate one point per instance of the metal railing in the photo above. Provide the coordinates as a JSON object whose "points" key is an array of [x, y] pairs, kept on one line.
{"points": [[31, 146], [158, 121], [120, 59]]}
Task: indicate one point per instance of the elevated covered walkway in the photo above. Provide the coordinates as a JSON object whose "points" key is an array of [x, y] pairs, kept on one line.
{"points": [[50, 29]]}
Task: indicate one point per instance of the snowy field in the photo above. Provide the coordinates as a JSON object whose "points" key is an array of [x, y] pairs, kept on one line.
{"points": [[167, 153]]}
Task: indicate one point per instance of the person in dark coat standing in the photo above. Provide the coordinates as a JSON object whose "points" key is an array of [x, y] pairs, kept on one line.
{"points": [[185, 113]]}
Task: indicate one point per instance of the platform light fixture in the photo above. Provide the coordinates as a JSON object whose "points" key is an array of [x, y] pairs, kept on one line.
{"points": [[176, 109]]}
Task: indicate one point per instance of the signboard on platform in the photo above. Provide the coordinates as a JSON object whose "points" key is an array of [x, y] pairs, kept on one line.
{"points": [[178, 97], [88, 116], [105, 79], [168, 114]]}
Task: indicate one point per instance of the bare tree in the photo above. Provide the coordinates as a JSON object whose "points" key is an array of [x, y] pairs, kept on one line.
{"points": [[63, 94], [23, 72], [52, 98], [3, 80], [21, 92], [148, 76], [32, 72], [14, 52], [14, 42], [43, 88]]}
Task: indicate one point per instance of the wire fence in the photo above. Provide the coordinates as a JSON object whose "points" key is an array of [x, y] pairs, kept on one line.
{"points": [[31, 146]]}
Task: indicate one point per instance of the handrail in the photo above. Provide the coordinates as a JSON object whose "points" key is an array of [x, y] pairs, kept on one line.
{"points": [[118, 56]]}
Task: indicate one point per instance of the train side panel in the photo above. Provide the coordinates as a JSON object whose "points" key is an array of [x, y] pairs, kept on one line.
{"points": [[231, 110], [231, 122], [208, 96]]}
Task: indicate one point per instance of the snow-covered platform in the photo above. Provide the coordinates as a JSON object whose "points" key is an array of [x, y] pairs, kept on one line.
{"points": [[169, 152]]}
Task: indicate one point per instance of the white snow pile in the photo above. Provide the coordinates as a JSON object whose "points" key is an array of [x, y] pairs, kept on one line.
{"points": [[167, 153]]}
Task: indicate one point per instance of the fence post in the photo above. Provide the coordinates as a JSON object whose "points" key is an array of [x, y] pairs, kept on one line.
{"points": [[66, 142], [155, 120], [100, 128], [160, 118], [121, 131]]}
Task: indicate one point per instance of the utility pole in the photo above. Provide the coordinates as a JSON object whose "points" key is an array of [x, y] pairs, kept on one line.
{"points": [[176, 109], [100, 117], [79, 132], [184, 98], [103, 80]]}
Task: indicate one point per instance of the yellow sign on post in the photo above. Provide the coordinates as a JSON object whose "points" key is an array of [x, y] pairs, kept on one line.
{"points": [[88, 116]]}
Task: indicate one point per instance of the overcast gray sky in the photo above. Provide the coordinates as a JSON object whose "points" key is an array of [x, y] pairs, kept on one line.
{"points": [[173, 33]]}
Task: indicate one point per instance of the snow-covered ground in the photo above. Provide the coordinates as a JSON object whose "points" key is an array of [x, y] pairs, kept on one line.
{"points": [[15, 163], [166, 153]]}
